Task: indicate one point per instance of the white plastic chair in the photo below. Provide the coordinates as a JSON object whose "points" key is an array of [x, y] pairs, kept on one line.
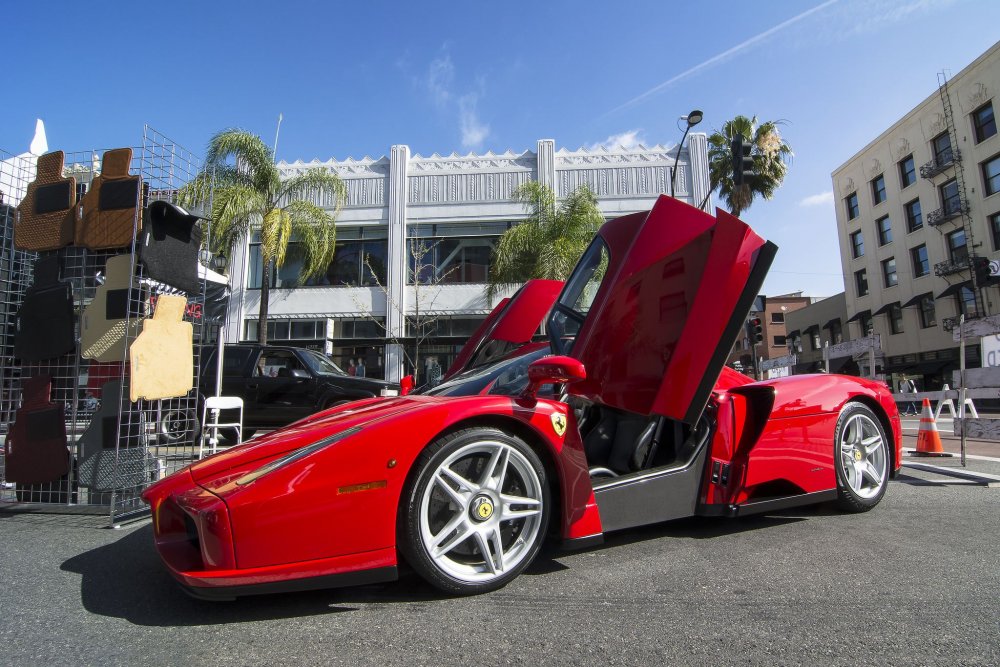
{"points": [[210, 427]]}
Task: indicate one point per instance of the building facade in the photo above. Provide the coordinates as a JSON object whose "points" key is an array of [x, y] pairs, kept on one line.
{"points": [[917, 210], [414, 243], [773, 332], [820, 324]]}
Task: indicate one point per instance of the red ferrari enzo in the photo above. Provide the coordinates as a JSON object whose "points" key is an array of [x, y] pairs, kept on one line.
{"points": [[640, 423]]}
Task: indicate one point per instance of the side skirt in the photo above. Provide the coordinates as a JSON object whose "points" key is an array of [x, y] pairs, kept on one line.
{"points": [[769, 505], [230, 593]]}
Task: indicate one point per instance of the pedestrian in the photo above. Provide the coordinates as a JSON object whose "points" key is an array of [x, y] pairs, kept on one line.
{"points": [[907, 386], [360, 370], [351, 369]]}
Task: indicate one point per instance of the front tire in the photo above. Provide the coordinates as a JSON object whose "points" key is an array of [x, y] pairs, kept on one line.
{"points": [[861, 458], [476, 512]]}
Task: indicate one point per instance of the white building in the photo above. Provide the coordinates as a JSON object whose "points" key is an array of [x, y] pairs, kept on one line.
{"points": [[916, 207], [457, 206]]}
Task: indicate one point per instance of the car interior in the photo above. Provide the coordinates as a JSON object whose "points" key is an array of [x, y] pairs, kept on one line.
{"points": [[619, 443], [278, 364]]}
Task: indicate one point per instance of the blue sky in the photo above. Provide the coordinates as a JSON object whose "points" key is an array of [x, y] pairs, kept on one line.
{"points": [[351, 79]]}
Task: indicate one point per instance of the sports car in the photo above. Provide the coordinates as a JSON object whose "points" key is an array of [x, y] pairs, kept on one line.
{"points": [[641, 423]]}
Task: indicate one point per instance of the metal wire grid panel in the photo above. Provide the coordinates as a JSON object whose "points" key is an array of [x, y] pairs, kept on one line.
{"points": [[140, 441]]}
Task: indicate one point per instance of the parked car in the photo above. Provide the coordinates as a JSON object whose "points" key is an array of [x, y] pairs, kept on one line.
{"points": [[282, 384], [647, 426]]}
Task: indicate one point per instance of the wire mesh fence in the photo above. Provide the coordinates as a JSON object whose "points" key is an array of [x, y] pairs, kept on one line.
{"points": [[115, 441]]}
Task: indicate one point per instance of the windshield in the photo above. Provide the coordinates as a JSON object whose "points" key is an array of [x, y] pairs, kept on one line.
{"points": [[317, 363], [574, 303]]}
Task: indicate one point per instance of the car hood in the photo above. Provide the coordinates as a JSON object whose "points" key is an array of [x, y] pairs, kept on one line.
{"points": [[300, 434]]}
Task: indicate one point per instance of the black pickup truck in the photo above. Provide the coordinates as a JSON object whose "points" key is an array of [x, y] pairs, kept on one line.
{"points": [[280, 385]]}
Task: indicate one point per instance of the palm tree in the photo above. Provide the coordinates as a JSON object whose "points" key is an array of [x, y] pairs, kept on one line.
{"points": [[549, 242], [770, 162], [247, 195]]}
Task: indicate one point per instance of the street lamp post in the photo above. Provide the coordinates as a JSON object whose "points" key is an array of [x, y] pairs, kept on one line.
{"points": [[692, 119]]}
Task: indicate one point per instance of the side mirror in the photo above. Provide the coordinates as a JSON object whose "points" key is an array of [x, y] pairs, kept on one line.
{"points": [[301, 374], [550, 370], [406, 385]]}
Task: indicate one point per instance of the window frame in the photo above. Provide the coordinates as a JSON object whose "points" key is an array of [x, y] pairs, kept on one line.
{"points": [[853, 207], [857, 240], [991, 184], [920, 268], [928, 312], [957, 252], [978, 126], [890, 277], [942, 154], [861, 287], [879, 194], [883, 231], [895, 317], [913, 222], [907, 177]]}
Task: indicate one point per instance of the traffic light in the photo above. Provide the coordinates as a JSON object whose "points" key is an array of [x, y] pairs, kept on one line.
{"points": [[984, 274], [742, 161], [754, 330]]}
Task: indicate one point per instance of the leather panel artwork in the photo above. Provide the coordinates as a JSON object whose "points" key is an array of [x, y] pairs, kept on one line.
{"points": [[162, 357], [111, 207], [105, 321], [47, 214], [35, 451], [45, 319]]}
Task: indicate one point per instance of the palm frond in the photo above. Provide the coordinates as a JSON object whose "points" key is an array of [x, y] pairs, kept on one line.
{"points": [[312, 180], [251, 156]]}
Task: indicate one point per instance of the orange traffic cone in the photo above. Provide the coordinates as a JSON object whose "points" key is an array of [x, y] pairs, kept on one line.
{"points": [[928, 438]]}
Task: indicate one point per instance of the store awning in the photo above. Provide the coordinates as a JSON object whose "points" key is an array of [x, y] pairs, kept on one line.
{"points": [[953, 289], [829, 325], [812, 328], [793, 333], [858, 315], [915, 301], [887, 307]]}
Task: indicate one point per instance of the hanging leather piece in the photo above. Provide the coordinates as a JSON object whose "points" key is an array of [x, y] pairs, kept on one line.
{"points": [[111, 206], [105, 321], [111, 452], [35, 451], [169, 246], [162, 357], [47, 214], [45, 318]]}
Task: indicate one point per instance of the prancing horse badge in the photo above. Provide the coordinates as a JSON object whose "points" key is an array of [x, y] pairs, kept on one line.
{"points": [[559, 423]]}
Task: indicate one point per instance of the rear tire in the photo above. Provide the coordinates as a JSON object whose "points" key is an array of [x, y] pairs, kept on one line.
{"points": [[475, 511], [861, 458]]}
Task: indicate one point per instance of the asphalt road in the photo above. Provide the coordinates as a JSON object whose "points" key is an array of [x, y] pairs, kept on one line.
{"points": [[917, 581]]}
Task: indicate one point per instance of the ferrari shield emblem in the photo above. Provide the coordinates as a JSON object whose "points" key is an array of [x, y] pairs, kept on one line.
{"points": [[559, 423]]}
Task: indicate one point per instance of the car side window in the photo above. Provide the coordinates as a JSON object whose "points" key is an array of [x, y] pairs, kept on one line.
{"points": [[277, 364]]}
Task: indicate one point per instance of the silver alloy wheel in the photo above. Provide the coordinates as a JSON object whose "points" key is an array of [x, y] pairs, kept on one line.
{"points": [[476, 530], [863, 458]]}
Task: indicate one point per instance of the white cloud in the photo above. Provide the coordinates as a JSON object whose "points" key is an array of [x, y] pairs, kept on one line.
{"points": [[821, 199], [440, 78], [474, 131], [628, 139]]}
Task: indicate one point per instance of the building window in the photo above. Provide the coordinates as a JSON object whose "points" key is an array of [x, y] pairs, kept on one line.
{"points": [[857, 244], [350, 265], [895, 319], [921, 264], [984, 122], [779, 341], [889, 272], [281, 330], [778, 318], [851, 201], [451, 260], [941, 145], [907, 172], [836, 332], [951, 201], [958, 249], [861, 282], [927, 317], [815, 342], [865, 322], [914, 216], [994, 221], [878, 190], [967, 302], [991, 176], [884, 227]]}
